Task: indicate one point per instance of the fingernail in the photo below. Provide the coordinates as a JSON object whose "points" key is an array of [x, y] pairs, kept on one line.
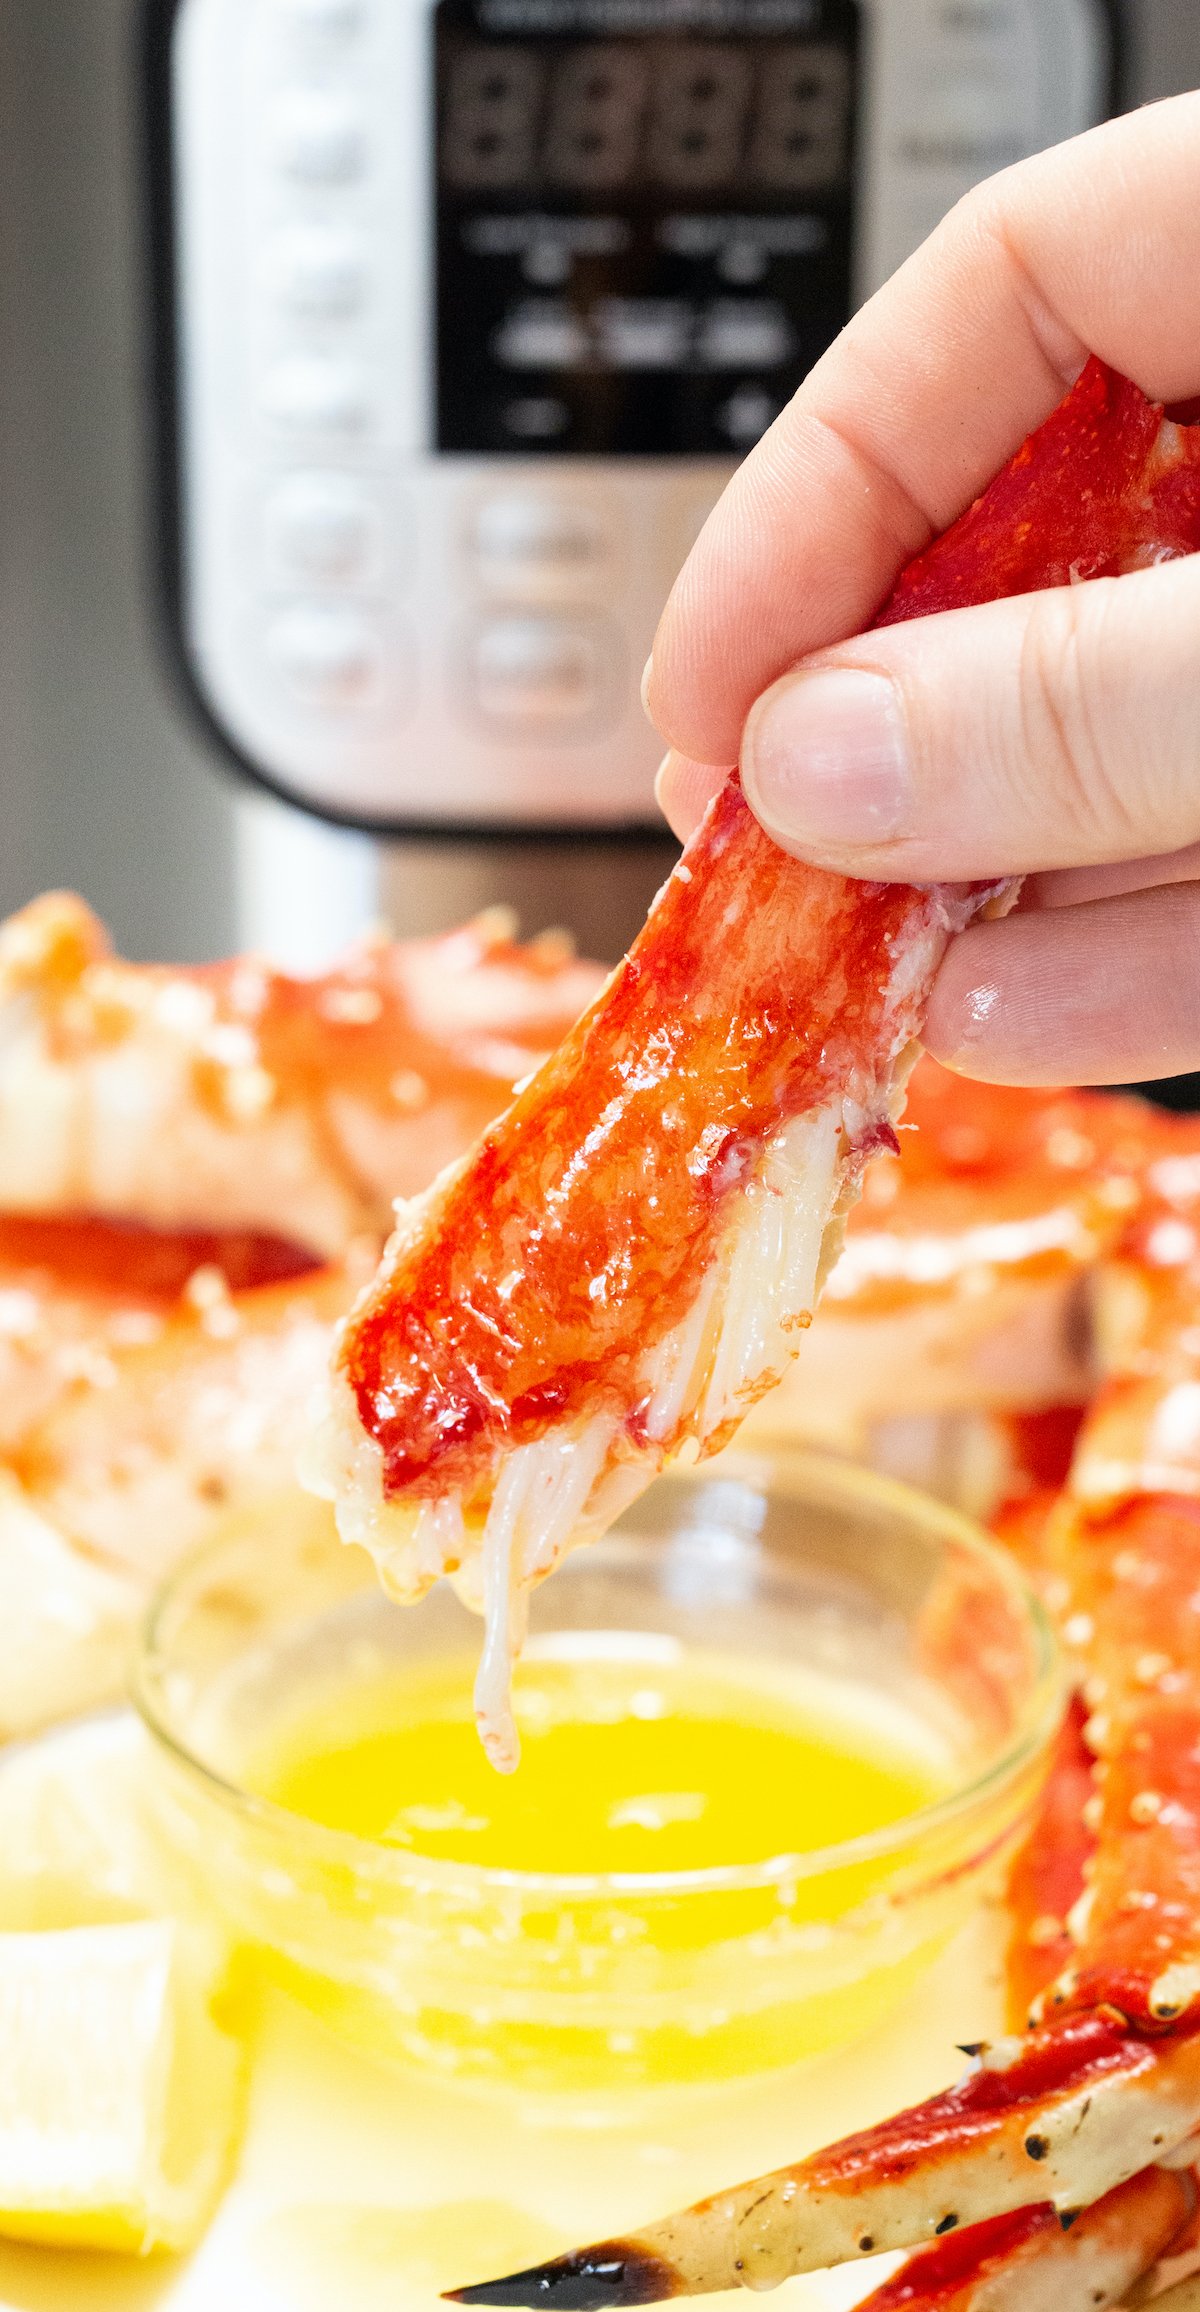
{"points": [[647, 672], [826, 762]]}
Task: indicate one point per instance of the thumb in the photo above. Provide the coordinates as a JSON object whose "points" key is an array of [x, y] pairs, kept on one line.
{"points": [[1057, 730]]}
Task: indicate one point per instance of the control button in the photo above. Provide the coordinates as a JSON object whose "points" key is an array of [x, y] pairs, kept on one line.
{"points": [[744, 418], [532, 540], [542, 333], [322, 275], [743, 261], [644, 332], [746, 333], [538, 672], [313, 393], [334, 19], [328, 652], [535, 417], [323, 526], [319, 137]]}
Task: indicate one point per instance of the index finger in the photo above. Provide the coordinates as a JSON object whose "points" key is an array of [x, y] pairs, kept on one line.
{"points": [[1093, 247]]}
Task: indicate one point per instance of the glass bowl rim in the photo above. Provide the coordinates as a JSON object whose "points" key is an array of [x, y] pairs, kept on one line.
{"points": [[1037, 1724]]}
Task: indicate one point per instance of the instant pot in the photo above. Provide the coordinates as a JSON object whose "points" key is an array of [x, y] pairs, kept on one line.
{"points": [[467, 307]]}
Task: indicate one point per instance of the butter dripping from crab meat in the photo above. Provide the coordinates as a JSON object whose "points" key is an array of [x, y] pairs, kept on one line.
{"points": [[748, 1315]]}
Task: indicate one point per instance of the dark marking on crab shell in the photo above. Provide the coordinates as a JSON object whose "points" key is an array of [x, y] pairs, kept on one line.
{"points": [[616, 2272]]}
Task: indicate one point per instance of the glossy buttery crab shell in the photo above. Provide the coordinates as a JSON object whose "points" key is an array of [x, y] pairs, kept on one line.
{"points": [[626, 1260]]}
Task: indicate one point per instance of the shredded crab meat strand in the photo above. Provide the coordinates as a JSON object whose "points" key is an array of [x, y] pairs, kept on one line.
{"points": [[772, 1266], [503, 1618], [684, 1360], [535, 1510]]}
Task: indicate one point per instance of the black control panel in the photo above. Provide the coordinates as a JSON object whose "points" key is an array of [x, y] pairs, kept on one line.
{"points": [[644, 218]]}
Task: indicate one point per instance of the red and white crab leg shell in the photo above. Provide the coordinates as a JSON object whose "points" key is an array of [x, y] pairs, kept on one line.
{"points": [[1048, 1877], [1060, 2116], [624, 1262], [1032, 2262]]}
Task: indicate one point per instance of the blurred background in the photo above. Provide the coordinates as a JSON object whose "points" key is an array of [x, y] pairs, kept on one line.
{"points": [[114, 774]]}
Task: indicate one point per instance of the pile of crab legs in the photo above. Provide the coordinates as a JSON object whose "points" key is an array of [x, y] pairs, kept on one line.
{"points": [[1063, 2161], [197, 1168]]}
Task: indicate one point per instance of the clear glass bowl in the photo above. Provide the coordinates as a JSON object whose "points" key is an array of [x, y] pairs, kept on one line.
{"points": [[550, 1982]]}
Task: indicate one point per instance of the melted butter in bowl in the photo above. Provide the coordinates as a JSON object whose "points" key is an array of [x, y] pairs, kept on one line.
{"points": [[638, 1756], [779, 1731]]}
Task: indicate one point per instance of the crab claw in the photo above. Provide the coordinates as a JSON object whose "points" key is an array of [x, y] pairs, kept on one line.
{"points": [[1060, 2117]]}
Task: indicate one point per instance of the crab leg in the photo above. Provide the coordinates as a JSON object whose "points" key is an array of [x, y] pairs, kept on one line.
{"points": [[626, 1262], [1066, 2113], [1124, 1571], [223, 1095], [1032, 2262], [1027, 2259], [1048, 1876]]}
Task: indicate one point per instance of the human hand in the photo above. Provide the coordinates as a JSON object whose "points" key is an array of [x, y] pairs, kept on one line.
{"points": [[1057, 736]]}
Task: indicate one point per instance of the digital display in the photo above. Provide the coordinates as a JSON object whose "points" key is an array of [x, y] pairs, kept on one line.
{"points": [[643, 218], [613, 115]]}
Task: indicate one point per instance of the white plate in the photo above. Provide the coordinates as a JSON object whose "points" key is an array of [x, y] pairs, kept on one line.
{"points": [[363, 2191]]}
